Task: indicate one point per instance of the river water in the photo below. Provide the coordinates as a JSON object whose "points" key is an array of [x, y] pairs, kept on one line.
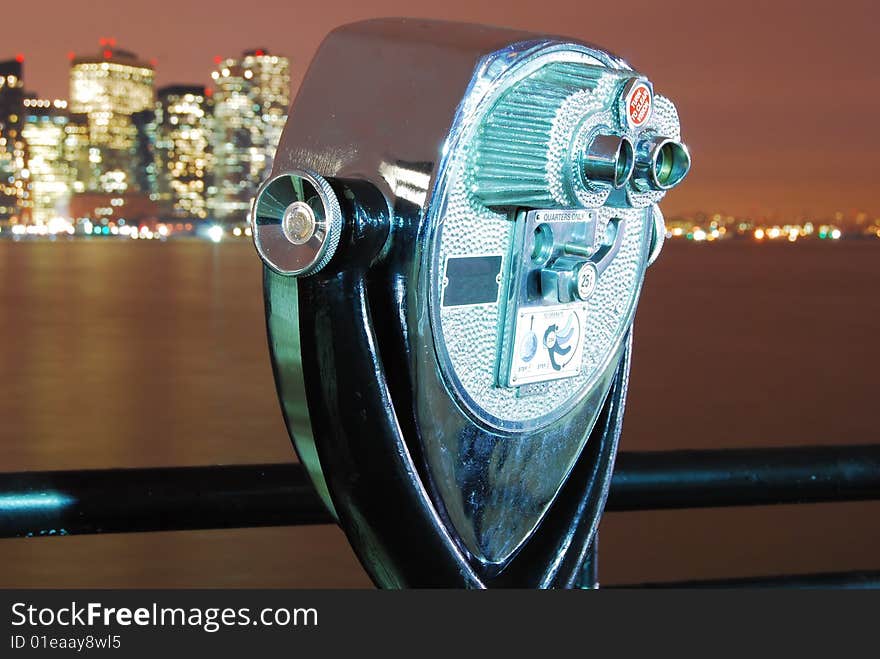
{"points": [[124, 354]]}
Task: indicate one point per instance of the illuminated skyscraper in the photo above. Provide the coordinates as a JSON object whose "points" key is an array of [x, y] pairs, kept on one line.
{"points": [[76, 149], [110, 87], [13, 173], [250, 108], [51, 172], [183, 114]]}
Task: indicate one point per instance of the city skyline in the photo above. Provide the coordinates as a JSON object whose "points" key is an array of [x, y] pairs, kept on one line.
{"points": [[773, 96], [118, 150]]}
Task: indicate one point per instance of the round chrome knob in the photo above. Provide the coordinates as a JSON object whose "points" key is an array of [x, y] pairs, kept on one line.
{"points": [[299, 223], [296, 221]]}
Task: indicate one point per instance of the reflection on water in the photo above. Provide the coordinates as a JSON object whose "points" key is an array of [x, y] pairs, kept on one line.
{"points": [[130, 354]]}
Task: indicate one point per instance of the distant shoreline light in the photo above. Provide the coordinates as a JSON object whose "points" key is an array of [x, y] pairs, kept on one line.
{"points": [[759, 232], [88, 230], [702, 230]]}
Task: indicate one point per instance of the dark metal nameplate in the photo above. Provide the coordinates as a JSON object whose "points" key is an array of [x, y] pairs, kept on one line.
{"points": [[471, 280]]}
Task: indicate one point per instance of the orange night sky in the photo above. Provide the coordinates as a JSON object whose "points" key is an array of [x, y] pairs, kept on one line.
{"points": [[778, 100]]}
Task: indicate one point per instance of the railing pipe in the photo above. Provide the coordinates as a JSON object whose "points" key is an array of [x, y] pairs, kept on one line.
{"points": [[56, 503]]}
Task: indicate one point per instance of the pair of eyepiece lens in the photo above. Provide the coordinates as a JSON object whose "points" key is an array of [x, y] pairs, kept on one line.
{"points": [[659, 163]]}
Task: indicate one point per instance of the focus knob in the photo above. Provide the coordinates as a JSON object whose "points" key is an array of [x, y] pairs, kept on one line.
{"points": [[297, 222]]}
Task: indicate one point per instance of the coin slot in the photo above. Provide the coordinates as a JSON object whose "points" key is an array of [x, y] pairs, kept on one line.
{"points": [[543, 244]]}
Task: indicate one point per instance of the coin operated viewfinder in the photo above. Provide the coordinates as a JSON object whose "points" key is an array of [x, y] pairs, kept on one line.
{"points": [[455, 234]]}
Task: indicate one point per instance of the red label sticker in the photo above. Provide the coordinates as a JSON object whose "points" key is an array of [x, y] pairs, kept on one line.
{"points": [[639, 106]]}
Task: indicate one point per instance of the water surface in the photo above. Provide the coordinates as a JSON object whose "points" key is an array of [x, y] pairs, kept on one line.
{"points": [[117, 354]]}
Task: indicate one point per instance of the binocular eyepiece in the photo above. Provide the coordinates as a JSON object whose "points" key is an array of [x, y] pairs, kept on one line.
{"points": [[661, 165], [455, 246], [608, 160]]}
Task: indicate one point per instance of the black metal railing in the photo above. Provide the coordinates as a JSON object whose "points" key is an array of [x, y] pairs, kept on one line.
{"points": [[59, 503]]}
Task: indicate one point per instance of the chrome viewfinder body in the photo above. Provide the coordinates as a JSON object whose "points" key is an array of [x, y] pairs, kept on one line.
{"points": [[455, 233]]}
